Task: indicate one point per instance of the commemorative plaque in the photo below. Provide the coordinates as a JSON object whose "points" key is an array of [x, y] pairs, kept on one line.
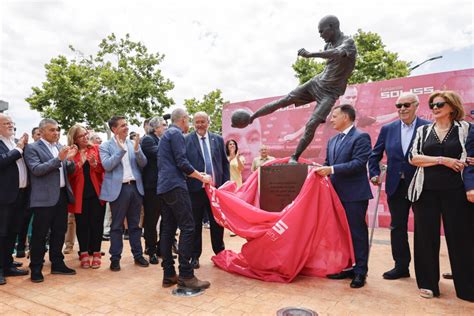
{"points": [[280, 184]]}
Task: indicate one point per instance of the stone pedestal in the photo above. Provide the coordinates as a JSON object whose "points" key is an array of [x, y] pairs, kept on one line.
{"points": [[280, 184]]}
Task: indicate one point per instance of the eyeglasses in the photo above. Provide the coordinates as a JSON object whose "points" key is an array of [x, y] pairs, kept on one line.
{"points": [[439, 105], [406, 105]]}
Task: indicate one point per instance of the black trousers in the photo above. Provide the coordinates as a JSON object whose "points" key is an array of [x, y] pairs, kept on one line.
{"points": [[22, 235], [399, 207], [90, 225], [11, 217], [152, 211], [201, 205], [177, 212], [52, 218], [454, 208]]}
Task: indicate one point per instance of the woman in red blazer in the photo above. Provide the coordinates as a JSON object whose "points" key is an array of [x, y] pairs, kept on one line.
{"points": [[88, 210]]}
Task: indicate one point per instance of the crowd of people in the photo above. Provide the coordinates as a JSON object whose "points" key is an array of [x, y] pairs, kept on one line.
{"points": [[430, 170]]}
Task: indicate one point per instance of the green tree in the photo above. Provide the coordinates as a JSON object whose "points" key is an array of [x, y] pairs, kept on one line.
{"points": [[122, 78], [212, 104], [373, 62]]}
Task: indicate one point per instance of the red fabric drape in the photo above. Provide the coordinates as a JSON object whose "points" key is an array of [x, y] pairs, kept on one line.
{"points": [[309, 237]]}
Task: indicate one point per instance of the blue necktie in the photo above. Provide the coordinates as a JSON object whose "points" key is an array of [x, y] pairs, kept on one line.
{"points": [[338, 142], [207, 157]]}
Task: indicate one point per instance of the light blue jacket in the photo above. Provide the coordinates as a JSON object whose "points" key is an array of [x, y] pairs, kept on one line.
{"points": [[111, 155]]}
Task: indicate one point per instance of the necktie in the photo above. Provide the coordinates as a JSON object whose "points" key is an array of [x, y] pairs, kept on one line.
{"points": [[338, 142], [207, 157]]}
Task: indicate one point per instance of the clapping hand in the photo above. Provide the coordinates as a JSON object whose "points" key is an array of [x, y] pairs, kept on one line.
{"points": [[136, 143], [120, 143], [22, 141], [92, 160]]}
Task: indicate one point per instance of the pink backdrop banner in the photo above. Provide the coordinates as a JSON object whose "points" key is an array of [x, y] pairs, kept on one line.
{"points": [[375, 105]]}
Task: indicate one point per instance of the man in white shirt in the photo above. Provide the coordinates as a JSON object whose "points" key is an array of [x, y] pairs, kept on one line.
{"points": [[13, 194], [123, 160]]}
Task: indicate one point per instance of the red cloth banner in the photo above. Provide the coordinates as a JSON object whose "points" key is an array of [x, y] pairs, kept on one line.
{"points": [[309, 237]]}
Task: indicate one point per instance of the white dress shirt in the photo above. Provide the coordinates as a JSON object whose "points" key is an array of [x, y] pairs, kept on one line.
{"points": [[208, 143], [22, 173], [55, 152], [127, 167], [345, 132]]}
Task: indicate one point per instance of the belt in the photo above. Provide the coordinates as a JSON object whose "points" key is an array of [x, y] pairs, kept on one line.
{"points": [[129, 182]]}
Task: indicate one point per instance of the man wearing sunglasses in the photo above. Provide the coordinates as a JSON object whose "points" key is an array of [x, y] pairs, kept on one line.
{"points": [[396, 139]]}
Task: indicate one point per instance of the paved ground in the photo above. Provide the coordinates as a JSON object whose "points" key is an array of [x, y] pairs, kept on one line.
{"points": [[136, 290]]}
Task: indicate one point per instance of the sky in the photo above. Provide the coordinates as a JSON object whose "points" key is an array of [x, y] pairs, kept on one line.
{"points": [[244, 48]]}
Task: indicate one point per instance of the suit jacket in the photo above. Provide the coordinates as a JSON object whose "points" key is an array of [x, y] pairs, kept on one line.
{"points": [[9, 176], [44, 174], [220, 164], [468, 173], [350, 166], [390, 141], [149, 145], [111, 156], [173, 165], [77, 179]]}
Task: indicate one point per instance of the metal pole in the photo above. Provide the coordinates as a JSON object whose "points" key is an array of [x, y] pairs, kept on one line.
{"points": [[383, 169]]}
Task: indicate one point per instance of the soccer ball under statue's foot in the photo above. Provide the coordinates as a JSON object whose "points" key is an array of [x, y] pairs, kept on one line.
{"points": [[240, 118]]}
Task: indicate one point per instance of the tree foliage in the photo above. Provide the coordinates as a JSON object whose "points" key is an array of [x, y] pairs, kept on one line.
{"points": [[374, 62], [212, 103], [122, 78]]}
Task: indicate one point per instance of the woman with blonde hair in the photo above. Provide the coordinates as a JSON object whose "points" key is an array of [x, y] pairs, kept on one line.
{"points": [[437, 191], [88, 210]]}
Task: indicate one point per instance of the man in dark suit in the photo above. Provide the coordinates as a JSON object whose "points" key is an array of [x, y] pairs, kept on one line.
{"points": [[346, 164], [173, 168], [49, 164], [123, 160], [151, 202], [206, 153], [13, 194], [396, 139]]}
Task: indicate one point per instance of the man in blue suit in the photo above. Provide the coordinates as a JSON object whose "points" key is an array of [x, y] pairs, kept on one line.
{"points": [[49, 164], [173, 169], [206, 153], [122, 160], [396, 139], [151, 202], [13, 194], [346, 164]]}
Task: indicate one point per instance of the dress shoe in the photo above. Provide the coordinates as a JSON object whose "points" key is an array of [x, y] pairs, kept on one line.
{"points": [[349, 274], [141, 261], [2, 279], [448, 276], [115, 265], [154, 259], [14, 271], [36, 276], [170, 281], [20, 254], [193, 283], [358, 281], [395, 274], [195, 263], [62, 269], [17, 264]]}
